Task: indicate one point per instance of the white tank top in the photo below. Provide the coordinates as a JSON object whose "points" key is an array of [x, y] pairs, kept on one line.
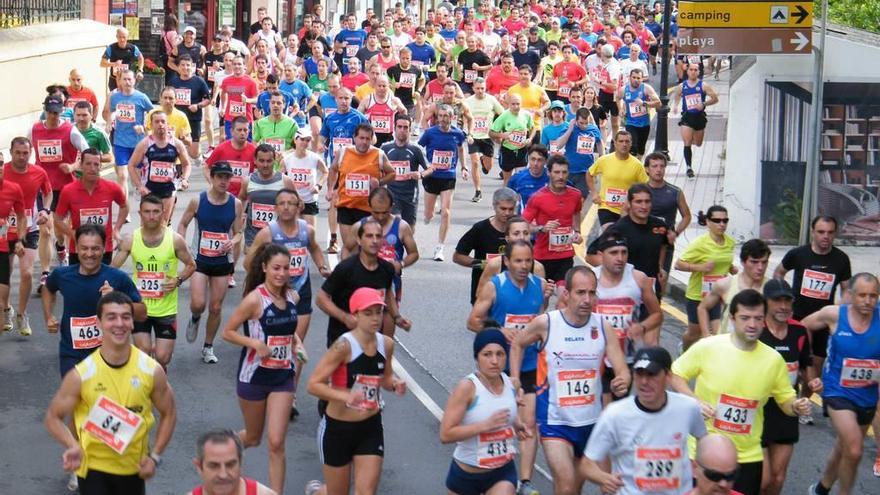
{"points": [[570, 368], [618, 307], [493, 449], [304, 174]]}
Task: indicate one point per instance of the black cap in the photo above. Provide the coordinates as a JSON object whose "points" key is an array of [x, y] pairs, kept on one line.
{"points": [[776, 288], [652, 359], [54, 104], [221, 168]]}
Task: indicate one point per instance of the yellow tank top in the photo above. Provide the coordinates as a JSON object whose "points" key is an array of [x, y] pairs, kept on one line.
{"points": [[152, 267], [115, 413]]}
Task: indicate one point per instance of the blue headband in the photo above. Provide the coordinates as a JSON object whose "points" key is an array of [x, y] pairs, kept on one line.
{"points": [[490, 336]]}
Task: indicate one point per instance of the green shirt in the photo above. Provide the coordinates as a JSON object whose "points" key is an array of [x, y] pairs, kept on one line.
{"points": [[701, 250], [278, 134], [318, 85], [519, 125], [453, 55], [96, 139]]}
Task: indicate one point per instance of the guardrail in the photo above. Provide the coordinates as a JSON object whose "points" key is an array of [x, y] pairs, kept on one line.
{"points": [[16, 13]]}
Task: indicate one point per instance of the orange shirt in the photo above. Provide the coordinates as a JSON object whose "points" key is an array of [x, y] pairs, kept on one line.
{"points": [[356, 171]]}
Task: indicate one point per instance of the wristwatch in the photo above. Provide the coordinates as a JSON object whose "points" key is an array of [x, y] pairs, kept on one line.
{"points": [[156, 458]]}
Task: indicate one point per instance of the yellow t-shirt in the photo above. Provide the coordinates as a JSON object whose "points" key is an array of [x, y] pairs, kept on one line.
{"points": [[737, 383], [617, 177], [178, 123], [363, 91], [531, 100], [701, 250]]}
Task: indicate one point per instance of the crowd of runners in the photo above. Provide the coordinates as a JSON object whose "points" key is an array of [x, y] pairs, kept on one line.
{"points": [[349, 128]]}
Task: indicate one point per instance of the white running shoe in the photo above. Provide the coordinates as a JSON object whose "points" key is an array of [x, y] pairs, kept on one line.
{"points": [[438, 253], [24, 325], [208, 356], [72, 483], [192, 330], [313, 486]]}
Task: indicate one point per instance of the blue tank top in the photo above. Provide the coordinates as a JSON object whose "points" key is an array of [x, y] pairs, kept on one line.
{"points": [[691, 96], [275, 327], [339, 129], [160, 167], [515, 307], [636, 114], [298, 247], [213, 229], [852, 365]]}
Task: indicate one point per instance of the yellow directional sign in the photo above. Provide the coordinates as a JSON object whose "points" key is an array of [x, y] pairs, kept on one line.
{"points": [[745, 14]]}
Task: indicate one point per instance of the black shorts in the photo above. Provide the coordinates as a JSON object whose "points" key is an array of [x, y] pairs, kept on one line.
{"points": [[779, 428], [864, 415], [165, 327], [215, 270], [101, 483], [607, 376], [350, 216], [382, 138], [653, 50], [315, 112], [640, 138], [820, 343], [31, 240], [340, 441], [748, 480], [555, 270], [310, 208], [5, 269], [608, 103], [437, 186], [406, 207], [304, 306], [607, 216], [528, 380], [196, 127], [482, 146], [695, 120], [73, 258], [512, 159], [691, 308], [162, 191]]}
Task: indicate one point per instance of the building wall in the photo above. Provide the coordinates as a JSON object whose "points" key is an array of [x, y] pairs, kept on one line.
{"points": [[34, 57], [846, 61]]}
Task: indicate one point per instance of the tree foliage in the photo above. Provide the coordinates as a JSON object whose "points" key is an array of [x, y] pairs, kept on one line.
{"points": [[861, 14]]}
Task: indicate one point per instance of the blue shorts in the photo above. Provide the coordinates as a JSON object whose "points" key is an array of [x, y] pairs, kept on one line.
{"points": [[122, 155], [255, 392], [227, 126], [67, 363], [304, 306], [464, 483], [577, 436]]}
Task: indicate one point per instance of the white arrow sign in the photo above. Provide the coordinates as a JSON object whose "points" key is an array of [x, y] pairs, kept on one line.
{"points": [[800, 40]]}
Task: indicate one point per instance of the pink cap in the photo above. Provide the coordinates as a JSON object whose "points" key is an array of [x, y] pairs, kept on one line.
{"points": [[364, 298]]}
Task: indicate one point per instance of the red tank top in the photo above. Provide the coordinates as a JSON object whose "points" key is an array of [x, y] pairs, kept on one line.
{"points": [[386, 64], [53, 148], [380, 114], [250, 488]]}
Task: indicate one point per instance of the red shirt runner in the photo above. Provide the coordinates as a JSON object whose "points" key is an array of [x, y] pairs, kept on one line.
{"points": [[236, 86], [241, 161], [11, 200], [33, 181], [544, 206], [53, 147], [84, 94], [498, 82], [96, 207]]}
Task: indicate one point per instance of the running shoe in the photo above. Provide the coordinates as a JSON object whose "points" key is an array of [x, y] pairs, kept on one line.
{"points": [[313, 486], [485, 170], [877, 466], [24, 325], [192, 330], [812, 489], [477, 196], [231, 282], [72, 483], [8, 318], [438, 253], [526, 488], [690, 173], [208, 356], [808, 420]]}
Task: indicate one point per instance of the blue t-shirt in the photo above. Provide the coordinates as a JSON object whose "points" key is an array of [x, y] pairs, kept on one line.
{"points": [[300, 91], [581, 161], [655, 27], [264, 97], [130, 111], [448, 35], [340, 125], [81, 294], [569, 115], [525, 184], [551, 132], [355, 38], [433, 139], [311, 65], [624, 51], [422, 54]]}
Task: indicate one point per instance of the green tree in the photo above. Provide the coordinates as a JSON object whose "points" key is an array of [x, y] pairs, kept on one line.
{"points": [[861, 14]]}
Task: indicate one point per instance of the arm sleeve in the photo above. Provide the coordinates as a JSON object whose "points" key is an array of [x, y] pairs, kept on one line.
{"points": [[52, 281], [694, 252], [529, 212], [18, 202], [257, 132], [126, 285], [45, 185]]}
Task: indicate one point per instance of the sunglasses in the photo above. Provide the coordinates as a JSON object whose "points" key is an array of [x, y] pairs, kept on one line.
{"points": [[718, 476], [719, 220]]}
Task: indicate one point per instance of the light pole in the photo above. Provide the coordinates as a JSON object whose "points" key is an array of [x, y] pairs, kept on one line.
{"points": [[661, 140]]}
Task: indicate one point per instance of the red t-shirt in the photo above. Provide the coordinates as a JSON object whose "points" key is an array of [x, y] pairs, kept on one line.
{"points": [[434, 91], [33, 181], [11, 200], [235, 86], [96, 207], [242, 162], [353, 81], [545, 205], [84, 94], [514, 26], [498, 82], [570, 71]]}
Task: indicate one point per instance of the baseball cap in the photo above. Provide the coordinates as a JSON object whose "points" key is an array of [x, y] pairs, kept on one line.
{"points": [[303, 133], [190, 29], [557, 104], [218, 37], [776, 288], [364, 298], [652, 359], [53, 104], [221, 168]]}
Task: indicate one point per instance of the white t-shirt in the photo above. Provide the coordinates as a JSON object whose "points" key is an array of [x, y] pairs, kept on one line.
{"points": [[648, 449], [304, 174], [628, 65], [399, 41], [491, 42]]}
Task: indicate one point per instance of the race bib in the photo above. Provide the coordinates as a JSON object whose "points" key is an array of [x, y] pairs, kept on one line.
{"points": [[277, 144], [119, 69], [125, 112], [708, 283], [301, 177], [517, 138], [576, 387], [161, 172], [637, 109], [401, 170], [387, 252], [470, 76], [560, 239], [340, 142], [280, 351], [555, 148], [585, 144], [237, 108], [617, 316], [657, 469], [182, 96], [793, 369], [442, 160], [614, 197], [211, 71], [298, 257], [564, 91], [481, 124], [693, 59], [858, 373], [239, 169], [357, 185], [12, 221], [149, 284], [211, 243], [84, 332], [381, 123], [364, 393], [351, 50], [407, 80], [817, 285], [692, 100], [495, 448], [113, 424], [517, 322], [262, 214], [49, 150], [735, 414], [97, 216]]}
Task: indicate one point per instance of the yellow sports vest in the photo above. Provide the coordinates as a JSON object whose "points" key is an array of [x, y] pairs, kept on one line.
{"points": [[115, 413], [152, 267]]}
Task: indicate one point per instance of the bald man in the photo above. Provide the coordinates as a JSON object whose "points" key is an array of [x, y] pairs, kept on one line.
{"points": [[380, 107], [715, 467], [77, 93], [122, 56]]}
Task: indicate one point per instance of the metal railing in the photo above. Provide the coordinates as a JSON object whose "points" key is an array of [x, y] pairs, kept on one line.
{"points": [[15, 13]]}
